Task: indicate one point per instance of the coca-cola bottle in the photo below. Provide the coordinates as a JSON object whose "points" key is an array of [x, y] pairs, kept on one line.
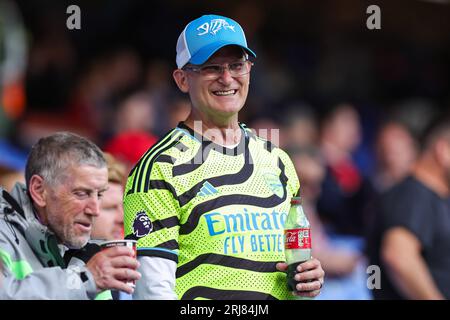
{"points": [[297, 243]]}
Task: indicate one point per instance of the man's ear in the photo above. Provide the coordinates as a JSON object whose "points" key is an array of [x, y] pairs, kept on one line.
{"points": [[37, 190], [181, 80]]}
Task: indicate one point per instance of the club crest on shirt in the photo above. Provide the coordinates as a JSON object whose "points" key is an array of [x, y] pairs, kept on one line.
{"points": [[142, 225], [274, 184]]}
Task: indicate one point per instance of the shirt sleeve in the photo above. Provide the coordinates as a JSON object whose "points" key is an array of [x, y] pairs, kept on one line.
{"points": [[158, 279], [398, 210], [152, 215]]}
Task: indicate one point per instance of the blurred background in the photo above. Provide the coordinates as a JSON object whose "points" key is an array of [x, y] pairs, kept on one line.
{"points": [[349, 102]]}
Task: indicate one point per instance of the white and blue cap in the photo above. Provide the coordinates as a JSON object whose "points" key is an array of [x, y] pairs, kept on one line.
{"points": [[202, 37]]}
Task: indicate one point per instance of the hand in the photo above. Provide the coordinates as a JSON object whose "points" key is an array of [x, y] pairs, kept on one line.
{"points": [[113, 267], [310, 275]]}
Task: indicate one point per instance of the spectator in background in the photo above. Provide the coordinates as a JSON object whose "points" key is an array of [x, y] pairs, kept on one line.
{"points": [[267, 128], [136, 113], [300, 126], [134, 121], [128, 147], [344, 267], [84, 106], [310, 167], [396, 151], [106, 78], [66, 176], [411, 237], [179, 109], [345, 191], [13, 60], [158, 84], [9, 177], [12, 165], [109, 223]]}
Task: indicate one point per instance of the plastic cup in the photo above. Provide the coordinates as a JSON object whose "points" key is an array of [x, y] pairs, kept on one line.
{"points": [[121, 243]]}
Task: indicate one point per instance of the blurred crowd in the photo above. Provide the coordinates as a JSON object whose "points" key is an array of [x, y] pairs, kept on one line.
{"points": [[348, 106]]}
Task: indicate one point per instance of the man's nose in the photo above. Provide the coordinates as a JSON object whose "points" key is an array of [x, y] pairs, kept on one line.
{"points": [[226, 77], [93, 207]]}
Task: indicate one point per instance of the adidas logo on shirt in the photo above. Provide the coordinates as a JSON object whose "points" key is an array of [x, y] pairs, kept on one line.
{"points": [[207, 189]]}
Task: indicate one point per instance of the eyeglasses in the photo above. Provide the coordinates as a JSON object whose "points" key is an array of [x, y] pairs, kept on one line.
{"points": [[214, 71]]}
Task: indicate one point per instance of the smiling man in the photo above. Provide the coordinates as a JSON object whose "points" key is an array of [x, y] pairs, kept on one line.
{"points": [[214, 194], [66, 176]]}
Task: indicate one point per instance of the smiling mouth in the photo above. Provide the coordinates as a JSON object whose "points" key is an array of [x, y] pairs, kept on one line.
{"points": [[225, 93]]}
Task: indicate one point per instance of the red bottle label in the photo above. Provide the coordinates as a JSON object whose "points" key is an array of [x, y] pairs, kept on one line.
{"points": [[297, 238]]}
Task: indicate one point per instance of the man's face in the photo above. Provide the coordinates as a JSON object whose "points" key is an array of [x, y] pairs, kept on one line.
{"points": [[345, 128], [73, 203], [109, 224], [396, 150], [225, 95]]}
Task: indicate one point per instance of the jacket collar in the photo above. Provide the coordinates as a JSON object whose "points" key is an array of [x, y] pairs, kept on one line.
{"points": [[40, 238]]}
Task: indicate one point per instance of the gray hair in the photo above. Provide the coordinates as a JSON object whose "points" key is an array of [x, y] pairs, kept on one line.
{"points": [[52, 155]]}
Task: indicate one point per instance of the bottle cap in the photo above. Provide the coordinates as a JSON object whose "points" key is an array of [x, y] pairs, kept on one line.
{"points": [[296, 200]]}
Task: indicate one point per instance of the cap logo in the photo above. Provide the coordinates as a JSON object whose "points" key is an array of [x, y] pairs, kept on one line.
{"points": [[214, 26]]}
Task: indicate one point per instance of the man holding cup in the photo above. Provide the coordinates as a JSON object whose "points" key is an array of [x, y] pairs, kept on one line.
{"points": [[66, 176]]}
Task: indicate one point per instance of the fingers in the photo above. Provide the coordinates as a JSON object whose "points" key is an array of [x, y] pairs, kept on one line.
{"points": [[310, 278], [121, 286], [309, 265], [122, 277], [310, 270], [118, 279], [118, 251], [281, 266], [309, 286], [126, 275], [310, 275], [307, 294], [125, 262], [113, 267]]}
